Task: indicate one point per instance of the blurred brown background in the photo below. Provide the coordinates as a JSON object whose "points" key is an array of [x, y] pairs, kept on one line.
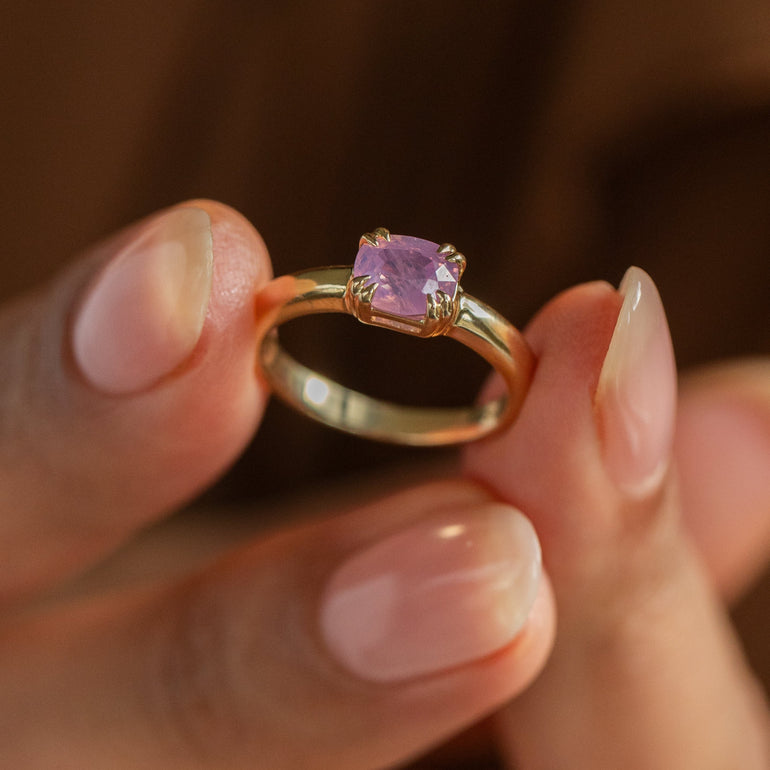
{"points": [[552, 142]]}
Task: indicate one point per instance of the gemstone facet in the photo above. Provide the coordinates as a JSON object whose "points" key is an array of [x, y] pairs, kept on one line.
{"points": [[406, 270]]}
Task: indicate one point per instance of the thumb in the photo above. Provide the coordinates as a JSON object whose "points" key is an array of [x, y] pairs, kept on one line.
{"points": [[351, 641], [125, 386], [645, 672]]}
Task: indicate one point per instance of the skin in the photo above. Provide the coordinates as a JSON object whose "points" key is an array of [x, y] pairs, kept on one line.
{"points": [[167, 657]]}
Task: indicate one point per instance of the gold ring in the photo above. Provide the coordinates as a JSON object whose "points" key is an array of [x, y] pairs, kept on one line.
{"points": [[412, 286]]}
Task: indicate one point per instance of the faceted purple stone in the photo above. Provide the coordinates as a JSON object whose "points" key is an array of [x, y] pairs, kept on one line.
{"points": [[406, 269]]}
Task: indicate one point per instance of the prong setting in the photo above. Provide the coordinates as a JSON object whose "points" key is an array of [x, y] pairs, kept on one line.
{"points": [[371, 238], [358, 296], [453, 255], [363, 287], [441, 310], [445, 302], [418, 281], [458, 259], [432, 308]]}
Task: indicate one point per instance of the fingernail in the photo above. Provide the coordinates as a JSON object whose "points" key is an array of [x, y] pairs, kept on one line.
{"points": [[636, 395], [440, 594], [144, 313]]}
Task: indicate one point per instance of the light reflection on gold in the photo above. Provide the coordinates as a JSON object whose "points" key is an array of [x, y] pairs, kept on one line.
{"points": [[316, 391]]}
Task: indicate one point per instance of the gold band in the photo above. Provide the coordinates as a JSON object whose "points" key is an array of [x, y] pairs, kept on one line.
{"points": [[476, 325]]}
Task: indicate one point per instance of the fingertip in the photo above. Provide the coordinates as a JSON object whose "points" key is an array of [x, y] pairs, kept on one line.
{"points": [[538, 635], [201, 399], [562, 320], [528, 653], [556, 427], [242, 263], [165, 291], [442, 593], [137, 369], [143, 313], [218, 382]]}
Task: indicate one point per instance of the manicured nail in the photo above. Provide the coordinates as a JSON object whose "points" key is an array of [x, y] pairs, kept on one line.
{"points": [[636, 395], [143, 315], [443, 593]]}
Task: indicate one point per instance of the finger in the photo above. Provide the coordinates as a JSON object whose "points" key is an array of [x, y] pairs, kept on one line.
{"points": [[353, 642], [723, 460], [645, 671], [126, 386]]}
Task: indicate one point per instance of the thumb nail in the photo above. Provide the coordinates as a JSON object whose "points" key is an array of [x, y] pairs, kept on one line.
{"points": [[636, 394], [440, 594], [143, 314]]}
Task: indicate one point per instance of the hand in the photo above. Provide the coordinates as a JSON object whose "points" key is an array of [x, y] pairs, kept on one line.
{"points": [[128, 386], [641, 550], [262, 658]]}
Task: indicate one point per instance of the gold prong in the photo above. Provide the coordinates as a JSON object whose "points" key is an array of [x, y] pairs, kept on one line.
{"points": [[358, 283], [358, 297], [440, 313], [432, 310], [460, 260], [367, 292], [447, 249], [371, 238], [361, 290], [444, 303]]}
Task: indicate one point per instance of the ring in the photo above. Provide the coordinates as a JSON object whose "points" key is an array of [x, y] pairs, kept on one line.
{"points": [[412, 286]]}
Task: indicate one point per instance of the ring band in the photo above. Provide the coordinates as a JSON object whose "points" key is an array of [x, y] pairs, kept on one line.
{"points": [[408, 285]]}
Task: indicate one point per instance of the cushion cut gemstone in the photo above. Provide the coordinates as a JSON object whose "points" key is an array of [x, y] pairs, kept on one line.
{"points": [[406, 270]]}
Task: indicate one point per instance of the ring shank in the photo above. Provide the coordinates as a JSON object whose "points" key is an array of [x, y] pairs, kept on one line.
{"points": [[477, 326]]}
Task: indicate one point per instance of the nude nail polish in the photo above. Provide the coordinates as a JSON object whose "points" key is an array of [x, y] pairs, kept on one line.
{"points": [[636, 394], [442, 593], [143, 314]]}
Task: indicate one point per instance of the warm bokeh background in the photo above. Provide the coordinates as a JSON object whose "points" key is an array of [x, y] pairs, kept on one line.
{"points": [[552, 142]]}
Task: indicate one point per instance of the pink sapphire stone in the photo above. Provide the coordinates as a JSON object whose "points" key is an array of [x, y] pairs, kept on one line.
{"points": [[406, 270]]}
